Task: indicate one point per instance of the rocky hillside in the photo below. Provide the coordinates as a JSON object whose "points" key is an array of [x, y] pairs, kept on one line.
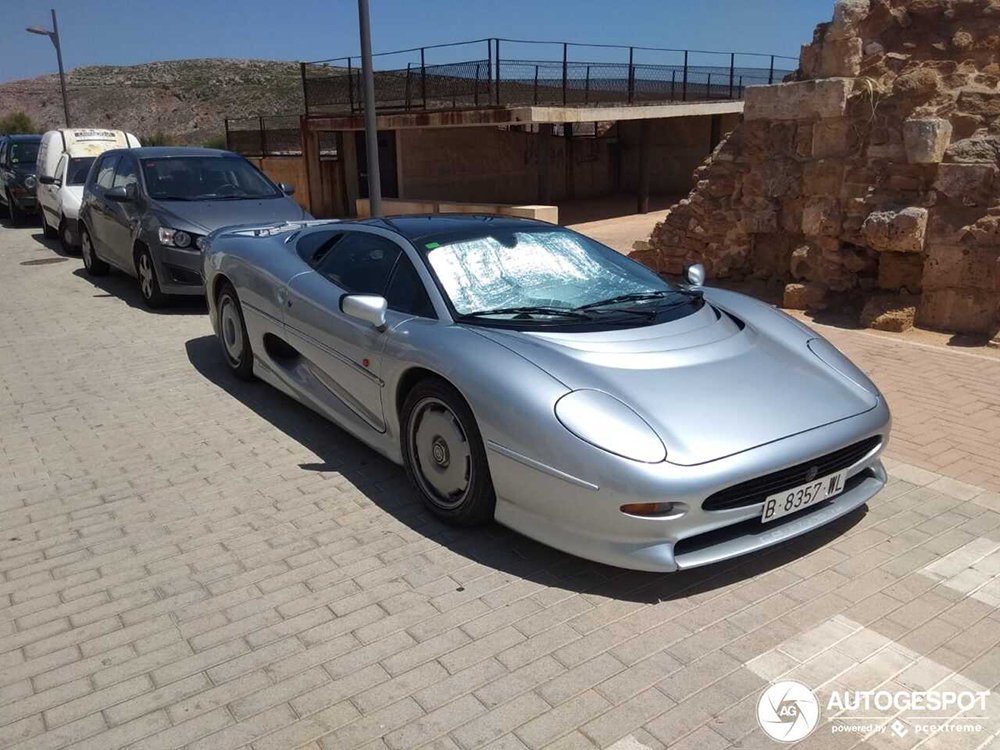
{"points": [[186, 99]]}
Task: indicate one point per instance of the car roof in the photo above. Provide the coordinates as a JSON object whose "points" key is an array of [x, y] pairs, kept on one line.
{"points": [[165, 152], [421, 226], [23, 137]]}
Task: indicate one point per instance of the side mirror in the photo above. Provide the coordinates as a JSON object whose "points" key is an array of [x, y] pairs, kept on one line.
{"points": [[49, 180], [118, 194], [367, 307], [287, 188], [696, 274]]}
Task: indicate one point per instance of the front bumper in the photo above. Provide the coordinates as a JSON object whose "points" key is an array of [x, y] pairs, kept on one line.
{"points": [[179, 271], [27, 203], [588, 522]]}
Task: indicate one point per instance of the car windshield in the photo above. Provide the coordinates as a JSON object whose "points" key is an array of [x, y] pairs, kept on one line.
{"points": [[78, 169], [195, 178], [542, 273], [24, 153]]}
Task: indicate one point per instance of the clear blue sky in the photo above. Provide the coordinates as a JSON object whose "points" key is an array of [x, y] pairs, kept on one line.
{"points": [[121, 33]]}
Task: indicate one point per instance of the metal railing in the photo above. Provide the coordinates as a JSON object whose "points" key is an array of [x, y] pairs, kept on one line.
{"points": [[334, 86]]}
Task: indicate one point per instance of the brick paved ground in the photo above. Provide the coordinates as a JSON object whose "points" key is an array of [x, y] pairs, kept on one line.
{"points": [[189, 561]]}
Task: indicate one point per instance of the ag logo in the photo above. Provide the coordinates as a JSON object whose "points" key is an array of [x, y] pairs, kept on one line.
{"points": [[787, 711]]}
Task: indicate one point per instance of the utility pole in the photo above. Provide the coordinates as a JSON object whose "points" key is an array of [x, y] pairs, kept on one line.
{"points": [[54, 37], [371, 132]]}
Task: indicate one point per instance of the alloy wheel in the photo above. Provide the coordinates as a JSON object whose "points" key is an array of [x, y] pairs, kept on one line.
{"points": [[86, 250], [232, 331], [146, 276], [443, 455]]}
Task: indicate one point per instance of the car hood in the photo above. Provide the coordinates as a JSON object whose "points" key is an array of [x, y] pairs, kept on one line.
{"points": [[203, 217], [711, 384]]}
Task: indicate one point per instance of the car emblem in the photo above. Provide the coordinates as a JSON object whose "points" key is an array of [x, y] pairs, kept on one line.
{"points": [[811, 474]]}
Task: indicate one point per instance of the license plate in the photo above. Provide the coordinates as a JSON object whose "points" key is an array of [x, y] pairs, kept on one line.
{"points": [[801, 497]]}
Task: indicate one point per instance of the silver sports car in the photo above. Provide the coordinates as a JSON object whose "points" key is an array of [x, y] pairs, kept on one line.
{"points": [[523, 372]]}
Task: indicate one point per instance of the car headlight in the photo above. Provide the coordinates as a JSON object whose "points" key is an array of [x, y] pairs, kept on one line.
{"points": [[30, 182], [175, 237], [605, 422]]}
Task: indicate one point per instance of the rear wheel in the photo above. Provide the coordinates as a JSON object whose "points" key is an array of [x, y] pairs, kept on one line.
{"points": [[233, 334], [149, 285], [445, 456], [94, 265]]}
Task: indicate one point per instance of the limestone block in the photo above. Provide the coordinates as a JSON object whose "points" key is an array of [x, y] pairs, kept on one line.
{"points": [[831, 138], [979, 147], [885, 312], [822, 177], [960, 267], [970, 184], [841, 57], [799, 100], [821, 218], [958, 310], [926, 139], [982, 103], [804, 297], [847, 18], [898, 271], [902, 231]]}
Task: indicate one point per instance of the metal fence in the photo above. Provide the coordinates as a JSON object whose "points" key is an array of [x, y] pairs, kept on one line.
{"points": [[334, 86], [268, 135]]}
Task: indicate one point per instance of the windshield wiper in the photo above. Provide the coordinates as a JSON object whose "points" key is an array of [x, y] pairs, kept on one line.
{"points": [[639, 296], [530, 310], [171, 198]]}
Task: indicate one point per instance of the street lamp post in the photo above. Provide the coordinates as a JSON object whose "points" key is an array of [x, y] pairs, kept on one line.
{"points": [[54, 36], [371, 132]]}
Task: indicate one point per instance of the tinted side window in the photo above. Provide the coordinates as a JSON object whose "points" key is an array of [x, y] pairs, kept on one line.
{"points": [[125, 175], [106, 171], [360, 263], [406, 292], [313, 247]]}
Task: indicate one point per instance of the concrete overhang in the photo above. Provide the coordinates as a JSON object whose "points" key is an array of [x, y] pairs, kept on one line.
{"points": [[492, 117]]}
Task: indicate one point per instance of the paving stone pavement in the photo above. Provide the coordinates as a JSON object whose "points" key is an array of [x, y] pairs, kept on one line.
{"points": [[191, 561]]}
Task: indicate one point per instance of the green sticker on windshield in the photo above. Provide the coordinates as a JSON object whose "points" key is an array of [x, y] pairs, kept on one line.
{"points": [[432, 245]]}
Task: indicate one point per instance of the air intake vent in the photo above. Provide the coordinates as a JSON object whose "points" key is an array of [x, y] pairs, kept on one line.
{"points": [[754, 491]]}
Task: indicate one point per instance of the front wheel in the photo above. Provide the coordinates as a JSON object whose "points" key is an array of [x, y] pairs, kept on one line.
{"points": [[233, 334], [48, 231], [149, 285], [16, 214], [444, 454], [66, 237], [94, 265]]}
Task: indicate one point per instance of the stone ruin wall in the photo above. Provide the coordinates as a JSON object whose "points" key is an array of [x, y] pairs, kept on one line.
{"points": [[869, 180]]}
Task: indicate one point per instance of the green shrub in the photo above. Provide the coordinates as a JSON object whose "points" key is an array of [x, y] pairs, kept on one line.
{"points": [[215, 141], [18, 122], [159, 138]]}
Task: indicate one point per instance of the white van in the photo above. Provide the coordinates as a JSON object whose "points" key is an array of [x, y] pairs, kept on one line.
{"points": [[64, 160]]}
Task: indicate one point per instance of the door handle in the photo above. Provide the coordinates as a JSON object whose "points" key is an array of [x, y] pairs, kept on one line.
{"points": [[282, 297]]}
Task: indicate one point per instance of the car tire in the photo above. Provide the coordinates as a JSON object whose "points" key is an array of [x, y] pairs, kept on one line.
{"points": [[149, 285], [48, 231], [16, 214], [233, 334], [66, 238], [94, 265], [444, 454]]}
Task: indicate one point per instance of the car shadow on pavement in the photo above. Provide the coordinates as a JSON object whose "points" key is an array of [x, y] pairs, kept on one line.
{"points": [[386, 486], [125, 288], [52, 245]]}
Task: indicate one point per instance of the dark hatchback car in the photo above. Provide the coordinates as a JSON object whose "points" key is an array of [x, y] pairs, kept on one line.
{"points": [[18, 154], [146, 210]]}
